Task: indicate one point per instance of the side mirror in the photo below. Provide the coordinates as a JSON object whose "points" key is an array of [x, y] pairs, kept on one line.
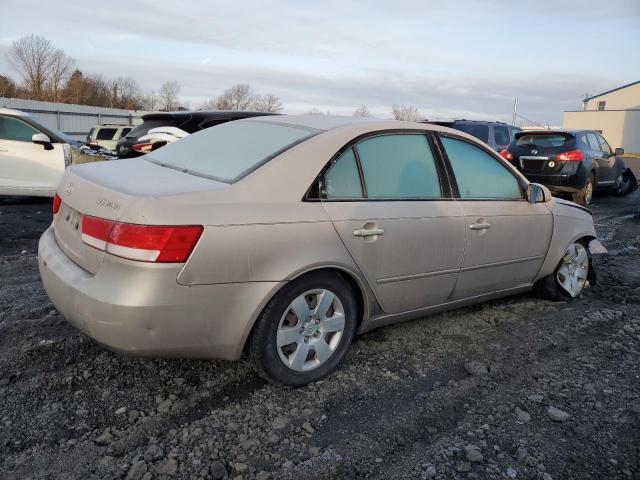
{"points": [[537, 193], [619, 151], [42, 139]]}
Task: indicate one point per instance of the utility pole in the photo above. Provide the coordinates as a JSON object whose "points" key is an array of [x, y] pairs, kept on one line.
{"points": [[515, 111]]}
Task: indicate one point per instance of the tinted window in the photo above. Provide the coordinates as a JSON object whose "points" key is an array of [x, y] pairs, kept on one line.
{"points": [[478, 174], [604, 146], [16, 130], [229, 151], [343, 180], [479, 131], [501, 135], [124, 132], [106, 133], [593, 141], [399, 166], [543, 140], [147, 125], [89, 135]]}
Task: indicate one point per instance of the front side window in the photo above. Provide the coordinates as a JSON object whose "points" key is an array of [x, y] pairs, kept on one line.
{"points": [[399, 166], [501, 135], [343, 179], [606, 149], [16, 130], [229, 151], [106, 133], [478, 174]]}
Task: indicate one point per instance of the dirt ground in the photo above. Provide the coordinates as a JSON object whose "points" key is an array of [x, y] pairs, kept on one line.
{"points": [[516, 388]]}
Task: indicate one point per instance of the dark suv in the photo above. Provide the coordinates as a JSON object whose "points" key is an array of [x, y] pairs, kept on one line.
{"points": [[571, 162], [190, 122], [496, 134]]}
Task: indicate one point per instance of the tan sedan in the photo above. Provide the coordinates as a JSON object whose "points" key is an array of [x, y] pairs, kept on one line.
{"points": [[288, 235]]}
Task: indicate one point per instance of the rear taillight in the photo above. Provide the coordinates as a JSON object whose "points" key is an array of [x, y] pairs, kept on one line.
{"points": [[506, 154], [57, 201], [571, 156], [143, 147], [146, 243]]}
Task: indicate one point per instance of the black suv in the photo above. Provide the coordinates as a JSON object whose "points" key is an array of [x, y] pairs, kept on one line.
{"points": [[571, 162], [190, 122], [496, 134]]}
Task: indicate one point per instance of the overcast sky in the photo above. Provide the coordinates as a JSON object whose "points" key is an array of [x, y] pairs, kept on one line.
{"points": [[453, 59]]}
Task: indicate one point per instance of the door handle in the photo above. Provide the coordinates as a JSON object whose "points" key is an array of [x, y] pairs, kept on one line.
{"points": [[368, 232], [479, 226]]}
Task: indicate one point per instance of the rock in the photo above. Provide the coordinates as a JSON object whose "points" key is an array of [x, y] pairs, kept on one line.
{"points": [[167, 467], [430, 471], [165, 406], [535, 397], [476, 368], [511, 473], [137, 470], [522, 416], [249, 444], [473, 454], [241, 467], [463, 467], [280, 423], [218, 471], [121, 410], [306, 426], [153, 453], [104, 439], [546, 476], [557, 415]]}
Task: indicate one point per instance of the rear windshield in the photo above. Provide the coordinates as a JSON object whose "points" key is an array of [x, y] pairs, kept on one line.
{"points": [[230, 151], [544, 141], [150, 123], [479, 131]]}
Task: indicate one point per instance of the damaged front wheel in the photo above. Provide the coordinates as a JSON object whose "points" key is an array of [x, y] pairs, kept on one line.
{"points": [[570, 277]]}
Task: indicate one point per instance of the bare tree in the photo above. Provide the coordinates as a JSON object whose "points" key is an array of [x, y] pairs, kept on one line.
{"points": [[362, 111], [238, 97], [151, 101], [60, 69], [7, 87], [129, 95], [169, 96], [267, 103], [211, 104], [316, 111], [31, 57], [405, 112]]}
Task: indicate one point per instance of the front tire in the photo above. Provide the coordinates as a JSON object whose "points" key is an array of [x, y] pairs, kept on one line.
{"points": [[585, 194], [305, 330], [569, 278]]}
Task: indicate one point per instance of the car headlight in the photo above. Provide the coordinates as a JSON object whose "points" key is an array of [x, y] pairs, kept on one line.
{"points": [[66, 148]]}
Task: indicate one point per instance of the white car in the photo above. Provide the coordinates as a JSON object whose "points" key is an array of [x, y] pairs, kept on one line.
{"points": [[107, 135], [32, 157]]}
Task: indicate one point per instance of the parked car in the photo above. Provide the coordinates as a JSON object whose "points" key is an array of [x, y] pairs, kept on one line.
{"points": [[571, 162], [289, 244], [32, 156], [188, 122], [107, 135], [496, 134]]}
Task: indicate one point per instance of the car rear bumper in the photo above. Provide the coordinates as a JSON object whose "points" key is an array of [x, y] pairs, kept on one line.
{"points": [[560, 182], [139, 308]]}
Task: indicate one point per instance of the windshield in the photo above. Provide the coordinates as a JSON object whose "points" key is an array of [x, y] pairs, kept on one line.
{"points": [[544, 141], [230, 151], [479, 131]]}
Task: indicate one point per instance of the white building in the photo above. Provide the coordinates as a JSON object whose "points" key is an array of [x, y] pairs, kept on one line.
{"points": [[615, 113]]}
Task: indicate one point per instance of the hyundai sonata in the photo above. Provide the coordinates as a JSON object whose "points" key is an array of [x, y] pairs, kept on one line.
{"points": [[286, 236]]}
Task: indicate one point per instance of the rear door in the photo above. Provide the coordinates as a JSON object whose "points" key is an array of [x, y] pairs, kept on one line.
{"points": [[608, 159], [391, 206], [507, 237]]}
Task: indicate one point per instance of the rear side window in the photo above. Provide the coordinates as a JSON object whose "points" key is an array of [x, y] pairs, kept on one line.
{"points": [[229, 151], [16, 130], [479, 131], [124, 132], [343, 179], [106, 133], [593, 142], [399, 166], [501, 135], [478, 174]]}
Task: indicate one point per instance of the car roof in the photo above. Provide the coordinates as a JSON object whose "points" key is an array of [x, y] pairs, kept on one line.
{"points": [[320, 122], [112, 125], [569, 131], [11, 111]]}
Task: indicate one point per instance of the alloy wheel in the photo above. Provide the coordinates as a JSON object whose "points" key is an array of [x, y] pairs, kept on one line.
{"points": [[310, 330], [574, 269]]}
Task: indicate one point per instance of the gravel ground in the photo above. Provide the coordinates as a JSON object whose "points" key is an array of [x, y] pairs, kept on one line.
{"points": [[516, 388]]}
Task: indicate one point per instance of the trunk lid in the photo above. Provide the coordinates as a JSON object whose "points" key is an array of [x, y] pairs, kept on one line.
{"points": [[532, 151], [107, 190]]}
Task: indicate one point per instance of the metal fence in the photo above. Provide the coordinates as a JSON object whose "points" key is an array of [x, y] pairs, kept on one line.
{"points": [[74, 120]]}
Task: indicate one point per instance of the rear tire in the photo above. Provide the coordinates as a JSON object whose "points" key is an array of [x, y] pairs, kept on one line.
{"points": [[585, 194], [575, 263], [305, 330]]}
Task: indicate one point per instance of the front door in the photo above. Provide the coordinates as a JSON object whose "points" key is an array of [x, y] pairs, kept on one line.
{"points": [[389, 206], [507, 238]]}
